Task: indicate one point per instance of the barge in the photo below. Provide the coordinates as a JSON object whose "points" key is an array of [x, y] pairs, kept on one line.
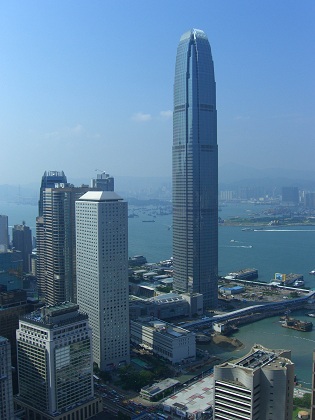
{"points": [[245, 274], [296, 324]]}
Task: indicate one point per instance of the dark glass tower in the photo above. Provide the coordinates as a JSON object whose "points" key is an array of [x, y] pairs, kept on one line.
{"points": [[195, 169]]}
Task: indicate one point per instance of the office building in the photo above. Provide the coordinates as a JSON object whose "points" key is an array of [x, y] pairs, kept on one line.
{"points": [[13, 304], [4, 233], [22, 241], [6, 390], [49, 180], [258, 386], [56, 246], [55, 365], [103, 182], [290, 195], [102, 274], [11, 268], [166, 340], [195, 170], [309, 200]]}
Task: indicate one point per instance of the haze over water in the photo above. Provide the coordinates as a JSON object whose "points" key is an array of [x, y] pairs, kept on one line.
{"points": [[285, 250]]}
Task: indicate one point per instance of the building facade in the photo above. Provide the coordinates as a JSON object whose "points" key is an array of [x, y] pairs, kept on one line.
{"points": [[56, 245], [6, 390], [290, 195], [166, 340], [22, 241], [4, 233], [102, 274], [258, 386], [195, 169], [49, 180], [103, 182], [313, 389], [55, 364]]}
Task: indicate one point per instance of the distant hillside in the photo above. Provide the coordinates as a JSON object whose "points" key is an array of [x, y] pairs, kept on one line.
{"points": [[231, 177]]}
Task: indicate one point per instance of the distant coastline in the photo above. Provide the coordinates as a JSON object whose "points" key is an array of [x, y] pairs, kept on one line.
{"points": [[247, 223]]}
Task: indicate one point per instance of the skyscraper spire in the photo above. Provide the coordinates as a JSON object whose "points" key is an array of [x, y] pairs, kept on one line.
{"points": [[195, 169]]}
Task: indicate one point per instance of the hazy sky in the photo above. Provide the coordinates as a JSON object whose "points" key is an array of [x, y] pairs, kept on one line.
{"points": [[88, 84]]}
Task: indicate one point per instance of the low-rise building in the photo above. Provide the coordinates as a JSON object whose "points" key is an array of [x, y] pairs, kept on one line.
{"points": [[192, 401], [163, 339], [158, 390], [165, 306]]}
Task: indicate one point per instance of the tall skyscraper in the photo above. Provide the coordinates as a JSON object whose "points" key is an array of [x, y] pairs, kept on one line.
{"points": [[22, 241], [259, 386], [4, 233], [102, 274], [49, 180], [195, 169], [55, 238], [55, 364], [6, 390]]}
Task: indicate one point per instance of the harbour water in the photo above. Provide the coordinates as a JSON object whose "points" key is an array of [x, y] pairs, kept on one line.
{"points": [[272, 335], [283, 250]]}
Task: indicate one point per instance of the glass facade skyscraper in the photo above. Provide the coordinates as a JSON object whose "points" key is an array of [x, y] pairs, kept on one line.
{"points": [[195, 169], [55, 364]]}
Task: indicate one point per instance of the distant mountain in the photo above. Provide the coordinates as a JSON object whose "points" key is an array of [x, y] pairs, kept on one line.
{"points": [[231, 177]]}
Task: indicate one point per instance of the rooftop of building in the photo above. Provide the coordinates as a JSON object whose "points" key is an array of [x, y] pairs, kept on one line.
{"points": [[260, 357], [100, 196], [166, 298], [195, 398], [51, 316], [160, 386], [162, 327], [195, 33]]}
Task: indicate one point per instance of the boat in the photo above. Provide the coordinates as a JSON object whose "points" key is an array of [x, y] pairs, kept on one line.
{"points": [[311, 314], [312, 272], [298, 283], [296, 324], [245, 274]]}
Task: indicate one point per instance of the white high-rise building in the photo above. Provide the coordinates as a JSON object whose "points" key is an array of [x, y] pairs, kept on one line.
{"points": [[6, 391], [102, 274]]}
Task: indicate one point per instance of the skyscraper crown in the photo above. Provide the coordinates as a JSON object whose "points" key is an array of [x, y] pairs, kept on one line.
{"points": [[193, 34]]}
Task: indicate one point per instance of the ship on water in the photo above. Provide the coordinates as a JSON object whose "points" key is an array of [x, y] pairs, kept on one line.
{"points": [[296, 324], [244, 274]]}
